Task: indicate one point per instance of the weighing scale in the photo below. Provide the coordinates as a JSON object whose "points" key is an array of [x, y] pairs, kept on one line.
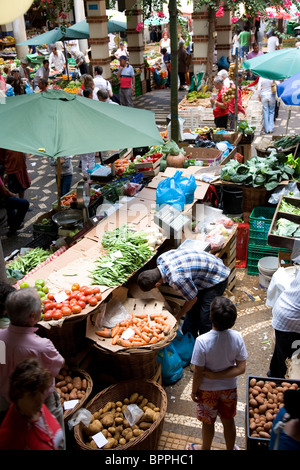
{"points": [[172, 221], [105, 173]]}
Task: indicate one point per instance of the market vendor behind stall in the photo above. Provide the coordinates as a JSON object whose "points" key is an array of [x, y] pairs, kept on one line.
{"points": [[196, 275]]}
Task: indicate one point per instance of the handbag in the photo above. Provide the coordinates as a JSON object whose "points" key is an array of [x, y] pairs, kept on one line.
{"points": [[274, 87]]}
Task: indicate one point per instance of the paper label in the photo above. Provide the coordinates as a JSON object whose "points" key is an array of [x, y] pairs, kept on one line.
{"points": [[128, 333], [100, 439], [60, 297], [69, 405]]}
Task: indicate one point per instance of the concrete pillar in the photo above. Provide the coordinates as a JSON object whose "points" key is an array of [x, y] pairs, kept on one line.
{"points": [[97, 19], [19, 30], [135, 38], [200, 39], [80, 16], [224, 34]]}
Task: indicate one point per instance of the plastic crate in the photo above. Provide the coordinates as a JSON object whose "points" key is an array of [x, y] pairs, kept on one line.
{"points": [[256, 253], [242, 240], [260, 221]]}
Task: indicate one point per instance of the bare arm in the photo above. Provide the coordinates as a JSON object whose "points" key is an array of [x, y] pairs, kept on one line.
{"points": [[229, 373], [197, 379], [186, 307]]}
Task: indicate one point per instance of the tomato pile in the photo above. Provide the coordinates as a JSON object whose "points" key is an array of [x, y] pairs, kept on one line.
{"points": [[78, 298]]}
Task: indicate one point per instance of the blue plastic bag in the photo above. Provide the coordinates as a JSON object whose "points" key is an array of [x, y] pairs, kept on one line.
{"points": [[171, 366], [170, 192], [188, 186], [184, 345], [28, 90]]}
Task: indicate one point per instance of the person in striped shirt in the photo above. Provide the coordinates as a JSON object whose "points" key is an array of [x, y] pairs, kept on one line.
{"points": [[286, 323], [197, 276]]}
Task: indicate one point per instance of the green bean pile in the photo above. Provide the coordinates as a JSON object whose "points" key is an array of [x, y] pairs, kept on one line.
{"points": [[127, 252], [25, 263]]}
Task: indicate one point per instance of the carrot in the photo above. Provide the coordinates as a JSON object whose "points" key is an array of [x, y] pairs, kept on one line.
{"points": [[115, 339], [141, 315], [125, 343], [115, 330], [154, 340], [105, 333]]}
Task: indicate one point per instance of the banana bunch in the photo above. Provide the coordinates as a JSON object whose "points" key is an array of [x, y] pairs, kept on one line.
{"points": [[228, 94], [231, 71], [202, 130]]}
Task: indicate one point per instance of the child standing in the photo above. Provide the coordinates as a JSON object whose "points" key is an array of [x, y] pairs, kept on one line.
{"points": [[219, 356]]}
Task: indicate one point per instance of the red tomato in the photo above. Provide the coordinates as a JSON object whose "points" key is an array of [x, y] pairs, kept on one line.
{"points": [[82, 288], [73, 302], [96, 290], [68, 292], [50, 296], [57, 315], [88, 298], [49, 306], [93, 301], [82, 304], [72, 296], [47, 315], [76, 309], [89, 291], [78, 295], [59, 306], [98, 296], [75, 287], [66, 311]]}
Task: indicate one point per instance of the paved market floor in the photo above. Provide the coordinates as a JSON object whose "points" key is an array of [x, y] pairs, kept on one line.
{"points": [[254, 318]]}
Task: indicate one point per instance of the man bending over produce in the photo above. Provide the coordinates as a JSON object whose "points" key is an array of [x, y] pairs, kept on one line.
{"points": [[196, 275]]}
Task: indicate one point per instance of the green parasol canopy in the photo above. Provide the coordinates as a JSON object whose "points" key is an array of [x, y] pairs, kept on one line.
{"points": [[276, 65], [114, 25], [56, 34], [59, 124]]}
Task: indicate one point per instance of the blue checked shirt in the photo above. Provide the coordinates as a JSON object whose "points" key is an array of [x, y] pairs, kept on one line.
{"points": [[286, 311], [188, 271]]}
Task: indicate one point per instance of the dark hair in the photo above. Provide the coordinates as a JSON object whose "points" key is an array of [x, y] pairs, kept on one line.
{"points": [[44, 81], [255, 43], [10, 79], [223, 313], [163, 50], [28, 376], [87, 92], [292, 403], [102, 93], [147, 279], [45, 61], [5, 289], [98, 69]]}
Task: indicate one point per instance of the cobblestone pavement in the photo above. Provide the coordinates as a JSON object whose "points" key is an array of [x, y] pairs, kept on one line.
{"points": [[254, 318]]}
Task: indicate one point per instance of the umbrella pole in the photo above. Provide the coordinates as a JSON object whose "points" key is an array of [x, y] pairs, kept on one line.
{"points": [[287, 121], [58, 183], [66, 57]]}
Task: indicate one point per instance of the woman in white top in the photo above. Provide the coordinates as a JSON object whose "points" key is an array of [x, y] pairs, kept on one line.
{"points": [[236, 44], [165, 42], [224, 74], [268, 100]]}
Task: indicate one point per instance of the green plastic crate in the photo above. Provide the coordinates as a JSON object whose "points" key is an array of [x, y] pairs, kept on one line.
{"points": [[256, 253], [261, 218]]}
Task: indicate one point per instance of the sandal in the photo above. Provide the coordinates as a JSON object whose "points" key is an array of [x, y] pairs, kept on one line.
{"points": [[192, 446]]}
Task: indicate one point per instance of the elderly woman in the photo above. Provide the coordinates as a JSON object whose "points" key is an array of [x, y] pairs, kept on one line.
{"points": [[28, 424], [23, 308], [220, 109]]}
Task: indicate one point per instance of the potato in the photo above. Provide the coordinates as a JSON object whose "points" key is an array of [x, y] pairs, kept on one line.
{"points": [[272, 384], [110, 443], [111, 430], [60, 384], [143, 403], [126, 401], [252, 382], [140, 399], [73, 394], [133, 398], [137, 432], [264, 434], [253, 402], [260, 383], [255, 393], [256, 387], [68, 379], [108, 420], [269, 416], [92, 444], [267, 426], [262, 408], [119, 404], [118, 421], [265, 390], [286, 384], [108, 407], [143, 425], [259, 400], [252, 426], [77, 382], [122, 441]]}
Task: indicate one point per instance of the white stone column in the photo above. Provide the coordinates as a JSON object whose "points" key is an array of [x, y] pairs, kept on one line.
{"points": [[224, 34], [80, 16], [19, 30], [200, 39], [97, 19], [135, 38]]}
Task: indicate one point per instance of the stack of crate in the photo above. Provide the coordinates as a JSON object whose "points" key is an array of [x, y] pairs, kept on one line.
{"points": [[259, 224], [228, 256]]}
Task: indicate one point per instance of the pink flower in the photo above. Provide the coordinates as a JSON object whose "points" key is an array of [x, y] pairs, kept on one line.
{"points": [[220, 12], [161, 14], [140, 26], [234, 19]]}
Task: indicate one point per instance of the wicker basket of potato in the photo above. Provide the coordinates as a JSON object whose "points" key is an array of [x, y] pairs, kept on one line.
{"points": [[108, 410], [73, 384], [265, 398]]}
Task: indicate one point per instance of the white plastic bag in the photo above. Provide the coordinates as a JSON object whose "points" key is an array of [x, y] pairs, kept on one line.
{"points": [[81, 416], [111, 313], [133, 414]]}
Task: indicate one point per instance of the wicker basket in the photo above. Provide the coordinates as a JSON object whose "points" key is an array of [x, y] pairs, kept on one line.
{"points": [[253, 197], [149, 389], [69, 338], [84, 375]]}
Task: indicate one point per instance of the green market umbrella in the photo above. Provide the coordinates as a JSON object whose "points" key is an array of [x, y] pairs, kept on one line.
{"points": [[60, 124], [114, 25], [56, 34], [276, 65]]}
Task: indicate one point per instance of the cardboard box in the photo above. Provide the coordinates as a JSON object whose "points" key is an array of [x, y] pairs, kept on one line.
{"points": [[209, 156], [130, 305], [277, 240]]}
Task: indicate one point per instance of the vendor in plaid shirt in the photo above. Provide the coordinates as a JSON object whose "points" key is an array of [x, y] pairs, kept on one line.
{"points": [[196, 275]]}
